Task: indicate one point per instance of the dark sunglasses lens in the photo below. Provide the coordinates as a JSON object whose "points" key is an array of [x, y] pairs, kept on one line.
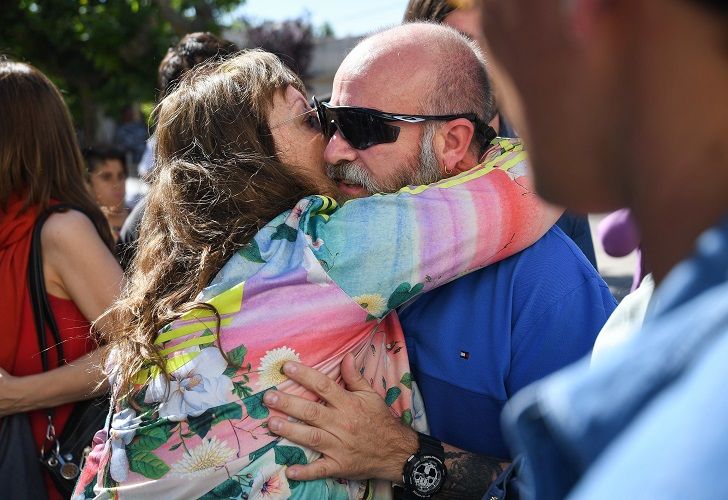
{"points": [[324, 119], [364, 130]]}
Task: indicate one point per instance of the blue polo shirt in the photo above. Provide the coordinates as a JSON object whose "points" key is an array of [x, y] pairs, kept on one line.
{"points": [[475, 342]]}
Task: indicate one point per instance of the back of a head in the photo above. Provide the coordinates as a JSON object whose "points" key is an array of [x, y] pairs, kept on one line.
{"points": [[39, 152], [451, 64], [217, 181], [219, 109], [427, 10], [191, 50]]}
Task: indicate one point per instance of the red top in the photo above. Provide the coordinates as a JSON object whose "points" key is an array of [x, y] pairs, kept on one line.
{"points": [[74, 330], [20, 354]]}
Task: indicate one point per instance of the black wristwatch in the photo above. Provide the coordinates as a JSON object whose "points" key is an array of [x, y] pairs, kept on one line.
{"points": [[425, 472]]}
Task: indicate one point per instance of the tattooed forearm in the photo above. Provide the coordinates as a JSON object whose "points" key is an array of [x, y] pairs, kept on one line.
{"points": [[469, 475]]}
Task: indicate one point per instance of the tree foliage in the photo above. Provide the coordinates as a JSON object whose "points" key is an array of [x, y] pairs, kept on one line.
{"points": [[102, 53]]}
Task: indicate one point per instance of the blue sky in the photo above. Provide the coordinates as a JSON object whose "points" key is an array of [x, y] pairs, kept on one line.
{"points": [[347, 18]]}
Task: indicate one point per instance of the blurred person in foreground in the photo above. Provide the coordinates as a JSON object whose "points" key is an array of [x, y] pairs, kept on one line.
{"points": [[191, 50], [106, 172], [464, 16], [639, 89], [473, 342], [242, 266], [41, 165]]}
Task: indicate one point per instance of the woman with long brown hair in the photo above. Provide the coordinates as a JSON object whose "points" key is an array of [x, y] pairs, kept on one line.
{"points": [[41, 165], [229, 282]]}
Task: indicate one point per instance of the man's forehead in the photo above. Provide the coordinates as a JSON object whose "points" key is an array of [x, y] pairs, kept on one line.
{"points": [[378, 88]]}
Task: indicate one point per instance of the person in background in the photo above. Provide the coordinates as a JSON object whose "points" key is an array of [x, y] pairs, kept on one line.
{"points": [[191, 50], [639, 89], [107, 172], [464, 16], [132, 134], [41, 165]]}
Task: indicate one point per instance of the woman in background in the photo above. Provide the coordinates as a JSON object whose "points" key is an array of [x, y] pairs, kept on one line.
{"points": [[41, 165]]}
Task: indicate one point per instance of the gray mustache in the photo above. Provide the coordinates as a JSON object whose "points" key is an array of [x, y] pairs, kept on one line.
{"points": [[351, 173]]}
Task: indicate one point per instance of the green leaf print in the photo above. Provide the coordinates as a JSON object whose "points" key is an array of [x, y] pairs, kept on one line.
{"points": [[241, 390], [406, 418], [251, 252], [229, 489], [392, 395], [146, 463], [237, 356], [289, 455], [200, 425], [406, 380], [254, 405], [285, 232], [152, 437], [402, 294], [230, 411], [262, 451]]}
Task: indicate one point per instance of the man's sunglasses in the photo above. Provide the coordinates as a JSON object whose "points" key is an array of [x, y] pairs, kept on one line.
{"points": [[365, 127]]}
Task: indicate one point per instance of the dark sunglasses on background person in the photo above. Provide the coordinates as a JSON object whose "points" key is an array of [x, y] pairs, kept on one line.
{"points": [[365, 127]]}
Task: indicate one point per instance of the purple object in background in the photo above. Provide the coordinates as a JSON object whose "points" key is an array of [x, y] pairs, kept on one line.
{"points": [[619, 236]]}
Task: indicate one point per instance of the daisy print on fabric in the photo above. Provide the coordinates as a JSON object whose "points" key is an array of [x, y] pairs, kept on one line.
{"points": [[373, 303], [210, 455], [270, 372]]}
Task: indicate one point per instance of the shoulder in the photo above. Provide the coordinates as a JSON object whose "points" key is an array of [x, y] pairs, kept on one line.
{"points": [[71, 229]]}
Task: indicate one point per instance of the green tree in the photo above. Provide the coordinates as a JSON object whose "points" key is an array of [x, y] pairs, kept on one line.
{"points": [[102, 53]]}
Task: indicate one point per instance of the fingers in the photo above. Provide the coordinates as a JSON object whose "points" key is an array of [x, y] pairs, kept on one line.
{"points": [[311, 437], [318, 469], [297, 407], [315, 381], [352, 378]]}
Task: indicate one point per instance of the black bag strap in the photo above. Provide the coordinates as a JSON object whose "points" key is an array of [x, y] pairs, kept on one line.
{"points": [[42, 313]]}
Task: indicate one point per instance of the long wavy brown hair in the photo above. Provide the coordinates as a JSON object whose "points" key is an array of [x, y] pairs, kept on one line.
{"points": [[39, 153], [217, 181]]}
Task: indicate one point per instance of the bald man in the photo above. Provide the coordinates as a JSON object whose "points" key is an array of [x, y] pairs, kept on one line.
{"points": [[471, 343]]}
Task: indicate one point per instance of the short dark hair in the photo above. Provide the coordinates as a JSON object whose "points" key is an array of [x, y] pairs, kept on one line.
{"points": [[190, 51], [427, 10], [100, 153]]}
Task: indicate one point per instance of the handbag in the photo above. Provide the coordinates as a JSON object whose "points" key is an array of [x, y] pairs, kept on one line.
{"points": [[63, 455], [20, 474]]}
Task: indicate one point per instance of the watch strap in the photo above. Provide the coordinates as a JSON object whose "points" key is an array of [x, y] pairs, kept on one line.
{"points": [[430, 446]]}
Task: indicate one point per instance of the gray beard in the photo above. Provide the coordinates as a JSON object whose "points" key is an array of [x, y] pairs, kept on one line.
{"points": [[420, 170]]}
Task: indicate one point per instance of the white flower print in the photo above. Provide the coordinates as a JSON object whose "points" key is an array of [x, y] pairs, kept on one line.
{"points": [[211, 454], [270, 483], [314, 272], [271, 366], [374, 303], [195, 387], [123, 428]]}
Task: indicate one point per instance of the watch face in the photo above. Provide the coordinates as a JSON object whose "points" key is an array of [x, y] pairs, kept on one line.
{"points": [[427, 475]]}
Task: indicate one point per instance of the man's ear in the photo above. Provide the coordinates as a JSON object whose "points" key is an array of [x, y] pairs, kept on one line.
{"points": [[456, 136]]}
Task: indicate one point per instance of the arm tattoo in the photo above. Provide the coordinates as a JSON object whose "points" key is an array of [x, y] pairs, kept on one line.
{"points": [[469, 475]]}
